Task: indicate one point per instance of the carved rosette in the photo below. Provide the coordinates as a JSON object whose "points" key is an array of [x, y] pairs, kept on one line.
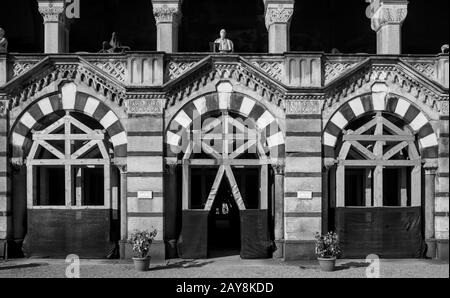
{"points": [[51, 12], [166, 13], [279, 14], [388, 15]]}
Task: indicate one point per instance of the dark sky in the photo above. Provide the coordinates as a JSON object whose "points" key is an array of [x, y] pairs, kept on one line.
{"points": [[318, 25]]}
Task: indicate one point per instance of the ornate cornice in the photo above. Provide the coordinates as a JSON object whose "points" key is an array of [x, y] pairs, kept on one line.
{"points": [[166, 13], [280, 13], [237, 70], [393, 73], [30, 84]]}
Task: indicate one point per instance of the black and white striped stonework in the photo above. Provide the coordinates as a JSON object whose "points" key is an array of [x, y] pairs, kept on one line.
{"points": [[248, 108], [68, 100], [359, 106]]}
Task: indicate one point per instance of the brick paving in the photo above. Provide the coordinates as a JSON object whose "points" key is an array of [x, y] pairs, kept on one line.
{"points": [[226, 267]]}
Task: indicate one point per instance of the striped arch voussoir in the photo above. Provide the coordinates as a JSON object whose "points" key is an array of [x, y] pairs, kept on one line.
{"points": [[358, 106], [236, 102], [69, 100]]}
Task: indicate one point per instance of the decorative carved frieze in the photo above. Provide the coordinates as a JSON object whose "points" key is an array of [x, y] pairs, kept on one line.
{"points": [[303, 107], [166, 13], [427, 69], [444, 107], [334, 69], [177, 68], [116, 68], [21, 67], [278, 14], [210, 72], [275, 69], [392, 74], [145, 106], [75, 72]]}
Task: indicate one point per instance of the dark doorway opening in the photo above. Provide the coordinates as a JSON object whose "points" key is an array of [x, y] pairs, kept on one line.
{"points": [[224, 226]]}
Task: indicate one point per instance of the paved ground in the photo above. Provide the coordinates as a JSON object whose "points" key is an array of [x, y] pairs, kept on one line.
{"points": [[226, 267]]}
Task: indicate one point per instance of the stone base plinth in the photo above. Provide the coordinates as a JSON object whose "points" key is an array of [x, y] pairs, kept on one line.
{"points": [[299, 250], [442, 249]]}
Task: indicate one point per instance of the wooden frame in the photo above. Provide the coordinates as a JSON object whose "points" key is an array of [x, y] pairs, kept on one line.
{"points": [[376, 160], [68, 158], [224, 159]]}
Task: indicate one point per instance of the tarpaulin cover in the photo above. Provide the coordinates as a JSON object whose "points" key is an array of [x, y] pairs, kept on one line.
{"points": [[386, 232], [88, 233], [255, 237], [193, 242]]}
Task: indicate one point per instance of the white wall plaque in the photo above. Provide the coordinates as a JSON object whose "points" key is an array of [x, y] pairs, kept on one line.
{"points": [[304, 195], [145, 194]]}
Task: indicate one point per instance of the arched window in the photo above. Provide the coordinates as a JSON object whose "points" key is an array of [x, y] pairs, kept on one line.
{"points": [[68, 165], [378, 164]]}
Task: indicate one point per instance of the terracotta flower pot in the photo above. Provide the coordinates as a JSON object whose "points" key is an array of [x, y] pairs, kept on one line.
{"points": [[327, 264], [142, 264]]}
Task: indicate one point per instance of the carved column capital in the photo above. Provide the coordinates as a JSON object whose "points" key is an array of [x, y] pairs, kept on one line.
{"points": [[279, 167], [328, 163], [122, 169], [171, 165], [51, 11], [383, 12], [430, 166], [166, 12], [278, 13]]}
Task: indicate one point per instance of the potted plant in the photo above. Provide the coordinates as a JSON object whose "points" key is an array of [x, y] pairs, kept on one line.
{"points": [[141, 242], [327, 250]]}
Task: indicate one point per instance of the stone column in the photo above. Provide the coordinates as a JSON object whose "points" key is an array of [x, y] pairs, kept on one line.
{"points": [[123, 211], [278, 169], [170, 208], [167, 16], [387, 17], [430, 192], [54, 25], [278, 16]]}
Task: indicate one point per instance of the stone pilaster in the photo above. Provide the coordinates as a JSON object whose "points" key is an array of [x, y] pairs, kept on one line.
{"points": [[170, 208], [430, 192], [167, 16], [52, 12], [123, 211], [278, 16], [387, 17], [278, 170]]}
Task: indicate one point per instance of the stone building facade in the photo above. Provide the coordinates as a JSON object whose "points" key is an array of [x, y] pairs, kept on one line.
{"points": [[95, 146]]}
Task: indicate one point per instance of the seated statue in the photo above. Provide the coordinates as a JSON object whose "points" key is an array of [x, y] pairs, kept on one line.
{"points": [[114, 45], [222, 44], [3, 41]]}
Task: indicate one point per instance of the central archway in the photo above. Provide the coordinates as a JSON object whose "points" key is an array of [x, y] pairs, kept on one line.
{"points": [[224, 143]]}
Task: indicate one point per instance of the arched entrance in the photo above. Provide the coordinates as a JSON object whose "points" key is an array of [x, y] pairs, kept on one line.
{"points": [[67, 142], [224, 143], [376, 185]]}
